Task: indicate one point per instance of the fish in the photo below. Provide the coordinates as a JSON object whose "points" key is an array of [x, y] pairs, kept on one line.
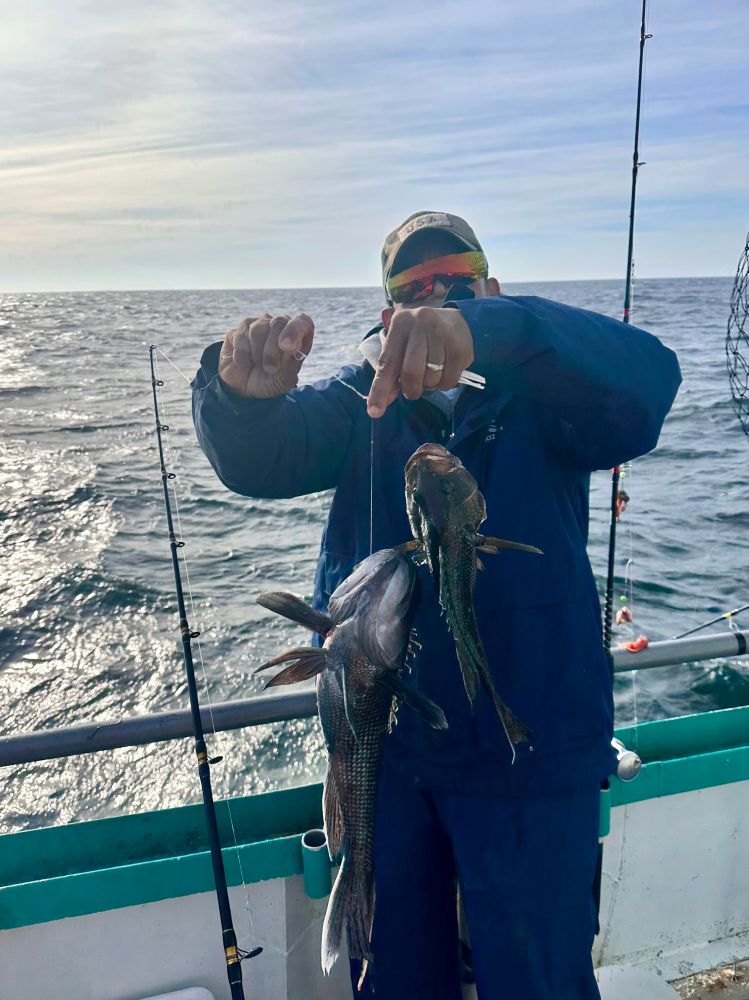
{"points": [[359, 668], [445, 510]]}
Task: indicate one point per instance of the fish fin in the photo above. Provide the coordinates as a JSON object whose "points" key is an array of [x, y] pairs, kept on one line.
{"points": [[351, 905], [362, 975], [333, 817], [468, 669], [411, 546], [295, 609], [332, 928], [348, 709], [426, 708], [305, 667], [290, 654], [486, 543], [517, 731]]}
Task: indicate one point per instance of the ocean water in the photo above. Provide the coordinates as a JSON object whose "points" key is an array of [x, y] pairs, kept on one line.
{"points": [[87, 610]]}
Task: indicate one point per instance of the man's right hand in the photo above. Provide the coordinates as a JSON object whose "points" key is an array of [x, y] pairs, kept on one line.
{"points": [[262, 357]]}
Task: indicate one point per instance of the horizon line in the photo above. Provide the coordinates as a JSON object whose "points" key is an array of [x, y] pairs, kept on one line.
{"points": [[325, 288]]}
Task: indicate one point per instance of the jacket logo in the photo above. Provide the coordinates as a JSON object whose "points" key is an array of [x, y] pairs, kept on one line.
{"points": [[491, 432]]}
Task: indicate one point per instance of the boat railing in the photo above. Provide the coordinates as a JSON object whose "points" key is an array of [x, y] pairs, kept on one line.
{"points": [[262, 709]]}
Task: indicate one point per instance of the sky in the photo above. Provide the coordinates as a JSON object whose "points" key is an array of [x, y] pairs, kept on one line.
{"points": [[221, 144]]}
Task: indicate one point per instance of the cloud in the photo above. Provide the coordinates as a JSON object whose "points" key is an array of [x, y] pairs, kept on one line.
{"points": [[245, 144]]}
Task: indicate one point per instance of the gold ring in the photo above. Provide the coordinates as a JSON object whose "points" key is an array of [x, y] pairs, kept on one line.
{"points": [[435, 368]]}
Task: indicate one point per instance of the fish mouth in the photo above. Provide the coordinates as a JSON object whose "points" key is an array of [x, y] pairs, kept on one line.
{"points": [[432, 458], [437, 482]]}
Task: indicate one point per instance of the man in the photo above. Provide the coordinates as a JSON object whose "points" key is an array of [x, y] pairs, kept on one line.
{"points": [[567, 391]]}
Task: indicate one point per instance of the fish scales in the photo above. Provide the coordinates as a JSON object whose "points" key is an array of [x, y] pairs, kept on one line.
{"points": [[353, 771], [367, 633], [445, 510]]}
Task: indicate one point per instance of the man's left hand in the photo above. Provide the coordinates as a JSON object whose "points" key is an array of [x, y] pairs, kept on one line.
{"points": [[425, 348]]}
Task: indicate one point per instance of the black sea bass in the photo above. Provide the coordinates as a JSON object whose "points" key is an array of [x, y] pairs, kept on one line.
{"points": [[367, 632], [445, 510]]}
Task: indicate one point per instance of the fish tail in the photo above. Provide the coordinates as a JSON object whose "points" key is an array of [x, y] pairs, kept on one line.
{"points": [[351, 905], [332, 928], [517, 731]]}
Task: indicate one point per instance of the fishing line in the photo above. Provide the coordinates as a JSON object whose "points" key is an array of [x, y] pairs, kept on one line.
{"points": [[371, 462], [636, 164], [371, 485], [206, 689], [629, 593], [167, 358], [616, 472], [371, 507], [728, 616], [627, 468], [232, 954]]}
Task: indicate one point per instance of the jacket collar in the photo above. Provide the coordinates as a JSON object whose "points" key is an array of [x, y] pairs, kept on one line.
{"points": [[473, 408]]}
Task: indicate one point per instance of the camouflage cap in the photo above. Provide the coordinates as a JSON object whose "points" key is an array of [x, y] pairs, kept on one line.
{"points": [[417, 223]]}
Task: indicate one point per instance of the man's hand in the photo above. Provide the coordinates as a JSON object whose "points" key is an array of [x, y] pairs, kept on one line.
{"points": [[262, 357], [425, 348]]}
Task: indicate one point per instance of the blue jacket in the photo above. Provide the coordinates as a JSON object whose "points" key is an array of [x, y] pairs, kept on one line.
{"points": [[567, 391]]}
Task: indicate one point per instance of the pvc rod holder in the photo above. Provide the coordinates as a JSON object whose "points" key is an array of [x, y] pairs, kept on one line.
{"points": [[316, 864]]}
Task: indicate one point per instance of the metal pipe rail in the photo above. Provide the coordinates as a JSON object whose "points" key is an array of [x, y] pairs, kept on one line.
{"points": [[672, 651], [69, 741], [90, 737]]}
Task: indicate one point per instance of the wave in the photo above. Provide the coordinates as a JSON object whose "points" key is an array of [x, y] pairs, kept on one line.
{"points": [[740, 517], [23, 390], [81, 592], [94, 428], [36, 509], [726, 686]]}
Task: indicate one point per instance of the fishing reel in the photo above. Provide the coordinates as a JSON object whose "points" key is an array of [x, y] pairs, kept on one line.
{"points": [[628, 764]]}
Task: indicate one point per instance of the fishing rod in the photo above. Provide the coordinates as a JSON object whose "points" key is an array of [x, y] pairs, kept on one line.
{"points": [[232, 953], [726, 616], [616, 475], [616, 472]]}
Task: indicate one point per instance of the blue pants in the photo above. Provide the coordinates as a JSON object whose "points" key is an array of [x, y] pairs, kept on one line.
{"points": [[525, 868]]}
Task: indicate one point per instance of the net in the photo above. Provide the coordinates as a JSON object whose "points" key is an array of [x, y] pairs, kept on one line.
{"points": [[737, 340]]}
